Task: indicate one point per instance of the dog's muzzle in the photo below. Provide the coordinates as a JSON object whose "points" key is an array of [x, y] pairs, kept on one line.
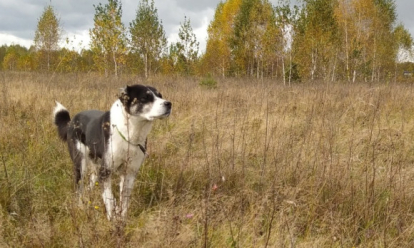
{"points": [[168, 107]]}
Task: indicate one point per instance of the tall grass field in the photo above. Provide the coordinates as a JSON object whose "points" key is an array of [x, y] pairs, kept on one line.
{"points": [[242, 164]]}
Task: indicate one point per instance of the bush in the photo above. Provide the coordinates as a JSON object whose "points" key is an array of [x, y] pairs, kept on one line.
{"points": [[208, 82]]}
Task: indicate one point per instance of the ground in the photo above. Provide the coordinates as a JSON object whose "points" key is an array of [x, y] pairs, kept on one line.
{"points": [[245, 164]]}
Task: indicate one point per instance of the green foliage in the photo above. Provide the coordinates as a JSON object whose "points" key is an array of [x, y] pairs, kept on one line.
{"points": [[316, 39], [184, 53], [402, 37], [108, 37], [208, 82], [18, 58], [10, 61], [148, 41], [286, 18], [188, 44], [292, 73], [3, 49], [218, 58], [328, 40], [47, 37]]}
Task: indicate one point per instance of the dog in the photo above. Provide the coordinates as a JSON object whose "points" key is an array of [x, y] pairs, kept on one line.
{"points": [[113, 141]]}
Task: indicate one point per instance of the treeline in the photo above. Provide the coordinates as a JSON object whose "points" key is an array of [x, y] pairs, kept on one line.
{"points": [[326, 40]]}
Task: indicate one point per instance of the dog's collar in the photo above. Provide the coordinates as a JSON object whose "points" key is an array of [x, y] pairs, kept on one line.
{"points": [[129, 142]]}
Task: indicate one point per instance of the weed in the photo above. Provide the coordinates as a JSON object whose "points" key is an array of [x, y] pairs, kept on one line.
{"points": [[249, 164]]}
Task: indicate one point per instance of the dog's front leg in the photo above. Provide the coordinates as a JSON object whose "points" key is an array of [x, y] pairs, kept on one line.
{"points": [[126, 186], [107, 196]]}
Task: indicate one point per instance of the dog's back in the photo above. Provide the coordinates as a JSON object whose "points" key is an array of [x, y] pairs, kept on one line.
{"points": [[90, 128]]}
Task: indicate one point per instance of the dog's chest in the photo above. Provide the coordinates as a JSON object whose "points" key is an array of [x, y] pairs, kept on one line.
{"points": [[121, 152]]}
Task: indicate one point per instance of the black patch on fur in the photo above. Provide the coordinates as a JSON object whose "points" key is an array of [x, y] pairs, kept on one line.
{"points": [[137, 94], [104, 173], [76, 157], [155, 91], [62, 119], [91, 128]]}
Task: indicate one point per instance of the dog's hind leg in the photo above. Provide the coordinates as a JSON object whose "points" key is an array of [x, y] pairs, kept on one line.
{"points": [[77, 158], [93, 171], [78, 166], [81, 164]]}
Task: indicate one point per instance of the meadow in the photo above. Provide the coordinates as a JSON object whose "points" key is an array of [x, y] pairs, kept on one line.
{"points": [[250, 163]]}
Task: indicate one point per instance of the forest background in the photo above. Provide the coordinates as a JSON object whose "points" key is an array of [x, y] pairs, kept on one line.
{"points": [[329, 40]]}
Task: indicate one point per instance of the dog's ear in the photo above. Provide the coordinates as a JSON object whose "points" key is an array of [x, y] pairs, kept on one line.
{"points": [[123, 94], [123, 90]]}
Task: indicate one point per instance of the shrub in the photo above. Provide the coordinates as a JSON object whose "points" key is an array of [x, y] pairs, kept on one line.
{"points": [[208, 82]]}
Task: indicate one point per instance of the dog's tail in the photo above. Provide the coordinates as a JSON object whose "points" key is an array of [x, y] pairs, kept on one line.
{"points": [[61, 118]]}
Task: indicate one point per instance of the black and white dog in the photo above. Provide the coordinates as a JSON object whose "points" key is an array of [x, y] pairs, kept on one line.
{"points": [[114, 141]]}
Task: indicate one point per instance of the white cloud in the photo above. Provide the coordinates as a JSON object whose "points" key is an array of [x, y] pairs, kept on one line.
{"points": [[405, 55], [201, 33], [76, 41], [9, 39]]}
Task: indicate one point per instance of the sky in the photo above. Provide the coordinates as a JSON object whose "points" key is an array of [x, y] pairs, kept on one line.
{"points": [[19, 18]]}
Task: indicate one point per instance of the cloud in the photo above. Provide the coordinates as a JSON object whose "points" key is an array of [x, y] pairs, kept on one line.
{"points": [[10, 39], [17, 20], [405, 14]]}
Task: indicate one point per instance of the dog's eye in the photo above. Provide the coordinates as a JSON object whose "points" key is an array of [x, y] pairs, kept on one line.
{"points": [[147, 97]]}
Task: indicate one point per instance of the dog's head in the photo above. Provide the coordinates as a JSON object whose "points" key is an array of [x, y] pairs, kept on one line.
{"points": [[145, 102]]}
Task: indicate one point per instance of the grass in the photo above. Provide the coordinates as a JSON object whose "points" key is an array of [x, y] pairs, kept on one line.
{"points": [[246, 164]]}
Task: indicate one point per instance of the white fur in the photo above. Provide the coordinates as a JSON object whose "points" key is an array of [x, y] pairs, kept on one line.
{"points": [[88, 165], [156, 110], [59, 107], [120, 152]]}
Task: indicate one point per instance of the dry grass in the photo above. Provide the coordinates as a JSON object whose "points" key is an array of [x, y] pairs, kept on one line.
{"points": [[248, 164]]}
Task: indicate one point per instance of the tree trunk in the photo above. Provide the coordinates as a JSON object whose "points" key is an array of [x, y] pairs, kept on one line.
{"points": [[146, 64], [354, 76], [222, 70], [347, 52], [334, 67], [290, 66], [313, 68], [115, 64], [283, 70], [373, 61], [48, 61]]}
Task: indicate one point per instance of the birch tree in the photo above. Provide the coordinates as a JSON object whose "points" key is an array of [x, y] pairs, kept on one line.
{"points": [[255, 38], [47, 36], [218, 50], [403, 43], [108, 37], [148, 40], [285, 18], [316, 40], [187, 48]]}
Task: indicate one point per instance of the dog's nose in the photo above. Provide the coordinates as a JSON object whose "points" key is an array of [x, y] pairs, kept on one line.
{"points": [[167, 104]]}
